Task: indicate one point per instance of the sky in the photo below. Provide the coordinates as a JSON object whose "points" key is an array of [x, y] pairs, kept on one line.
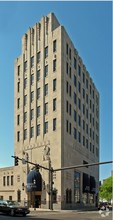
{"points": [[89, 25]]}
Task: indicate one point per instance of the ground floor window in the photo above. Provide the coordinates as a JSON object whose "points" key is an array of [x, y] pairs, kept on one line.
{"points": [[76, 187], [68, 196]]}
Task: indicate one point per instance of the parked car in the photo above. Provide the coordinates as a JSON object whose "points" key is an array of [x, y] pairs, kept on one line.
{"points": [[12, 208], [103, 206]]}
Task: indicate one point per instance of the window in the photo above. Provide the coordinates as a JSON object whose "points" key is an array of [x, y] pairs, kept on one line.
{"points": [[25, 100], [10, 198], [18, 119], [32, 132], [32, 96], [54, 124], [67, 49], [46, 108], [25, 83], [25, 117], [79, 137], [75, 98], [90, 89], [25, 134], [54, 104], [68, 196], [83, 140], [79, 103], [66, 67], [93, 94], [67, 106], [4, 180], [18, 103], [75, 116], [87, 128], [74, 63], [87, 113], [46, 70], [79, 87], [54, 46], [77, 187], [38, 93], [25, 66], [46, 127], [38, 75], [74, 80], [83, 125], [32, 114], [79, 70], [46, 89], [54, 84], [83, 78], [67, 86], [32, 61], [46, 52], [38, 111], [70, 109], [54, 65], [83, 93], [7, 180], [32, 79], [87, 98], [90, 146], [70, 54], [38, 57], [12, 180], [79, 120], [18, 136], [70, 72], [70, 91], [70, 128], [38, 129], [75, 133], [83, 106], [67, 125], [18, 87], [18, 70], [87, 83]]}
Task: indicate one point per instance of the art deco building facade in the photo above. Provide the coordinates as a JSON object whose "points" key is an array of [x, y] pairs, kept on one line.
{"points": [[56, 116]]}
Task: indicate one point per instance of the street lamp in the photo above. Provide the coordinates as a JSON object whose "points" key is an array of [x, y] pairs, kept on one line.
{"points": [[34, 184]]}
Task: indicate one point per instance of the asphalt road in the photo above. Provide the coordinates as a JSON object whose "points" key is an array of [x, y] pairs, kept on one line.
{"points": [[62, 215]]}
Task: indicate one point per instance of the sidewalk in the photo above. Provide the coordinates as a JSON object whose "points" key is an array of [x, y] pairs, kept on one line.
{"points": [[64, 210]]}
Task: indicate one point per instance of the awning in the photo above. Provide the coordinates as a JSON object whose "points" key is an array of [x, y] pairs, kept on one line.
{"points": [[34, 181]]}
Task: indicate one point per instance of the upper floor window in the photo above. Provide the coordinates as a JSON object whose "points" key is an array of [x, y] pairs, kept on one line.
{"points": [[67, 49], [18, 103], [25, 100], [83, 79], [25, 117], [87, 83], [38, 129], [46, 89], [75, 115], [54, 124], [7, 180], [18, 70], [38, 75], [18, 119], [46, 70], [46, 127], [75, 133], [38, 93], [74, 63], [75, 80], [25, 134], [32, 132], [70, 72], [54, 46], [32, 96], [18, 136], [32, 79], [54, 65], [18, 87], [75, 98], [46, 52], [38, 57], [25, 83], [4, 180], [54, 84], [25, 66], [32, 114], [79, 70], [79, 87], [70, 54], [38, 111], [67, 67], [32, 61], [54, 104], [12, 180], [46, 108]]}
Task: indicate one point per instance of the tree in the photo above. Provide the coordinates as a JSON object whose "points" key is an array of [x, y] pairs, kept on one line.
{"points": [[106, 189]]}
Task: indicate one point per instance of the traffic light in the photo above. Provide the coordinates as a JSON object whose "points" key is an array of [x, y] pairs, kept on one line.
{"points": [[16, 161]]}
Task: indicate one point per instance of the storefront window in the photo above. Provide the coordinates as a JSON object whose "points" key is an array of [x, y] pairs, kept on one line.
{"points": [[76, 187]]}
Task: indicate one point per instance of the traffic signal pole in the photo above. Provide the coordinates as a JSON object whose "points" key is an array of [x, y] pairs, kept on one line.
{"points": [[51, 170]]}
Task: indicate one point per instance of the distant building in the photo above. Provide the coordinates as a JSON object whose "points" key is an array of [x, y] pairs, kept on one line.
{"points": [[56, 115]]}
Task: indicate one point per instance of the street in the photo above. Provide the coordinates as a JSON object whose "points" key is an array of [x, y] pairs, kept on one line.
{"points": [[62, 215]]}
